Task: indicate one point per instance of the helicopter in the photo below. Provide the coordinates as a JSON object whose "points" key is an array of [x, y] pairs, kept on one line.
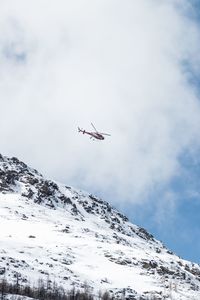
{"points": [[95, 135]]}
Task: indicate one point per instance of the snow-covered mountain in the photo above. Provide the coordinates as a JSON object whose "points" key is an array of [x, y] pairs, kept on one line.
{"points": [[59, 234]]}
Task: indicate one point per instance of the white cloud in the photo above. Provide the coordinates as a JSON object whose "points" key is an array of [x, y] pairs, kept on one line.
{"points": [[119, 65]]}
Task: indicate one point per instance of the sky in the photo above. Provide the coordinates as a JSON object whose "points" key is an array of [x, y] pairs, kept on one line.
{"points": [[132, 68]]}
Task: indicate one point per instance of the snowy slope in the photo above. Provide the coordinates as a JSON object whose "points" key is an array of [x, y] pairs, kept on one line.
{"points": [[60, 234]]}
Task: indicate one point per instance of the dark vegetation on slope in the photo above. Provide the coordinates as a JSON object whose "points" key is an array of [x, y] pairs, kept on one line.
{"points": [[44, 292]]}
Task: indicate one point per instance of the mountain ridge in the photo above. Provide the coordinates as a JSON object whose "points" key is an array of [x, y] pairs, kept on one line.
{"points": [[55, 232]]}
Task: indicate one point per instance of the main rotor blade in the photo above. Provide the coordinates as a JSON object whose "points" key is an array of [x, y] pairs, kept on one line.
{"points": [[94, 127], [105, 133]]}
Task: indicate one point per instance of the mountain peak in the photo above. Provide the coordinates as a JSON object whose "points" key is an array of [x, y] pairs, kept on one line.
{"points": [[55, 232]]}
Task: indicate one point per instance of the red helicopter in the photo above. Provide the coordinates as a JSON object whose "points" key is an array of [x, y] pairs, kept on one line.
{"points": [[95, 135]]}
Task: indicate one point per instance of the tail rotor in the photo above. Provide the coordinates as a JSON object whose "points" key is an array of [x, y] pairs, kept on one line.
{"points": [[80, 130]]}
